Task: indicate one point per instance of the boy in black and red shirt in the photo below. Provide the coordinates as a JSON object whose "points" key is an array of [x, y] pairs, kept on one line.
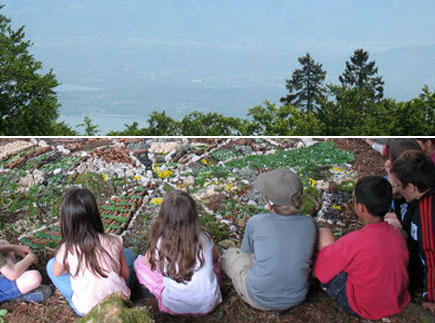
{"points": [[413, 177]]}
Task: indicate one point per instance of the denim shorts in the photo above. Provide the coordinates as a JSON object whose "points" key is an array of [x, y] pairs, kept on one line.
{"points": [[8, 289], [336, 288]]}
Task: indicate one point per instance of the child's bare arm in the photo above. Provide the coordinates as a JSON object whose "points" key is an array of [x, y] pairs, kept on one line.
{"points": [[58, 269], [13, 272], [22, 251], [125, 271]]}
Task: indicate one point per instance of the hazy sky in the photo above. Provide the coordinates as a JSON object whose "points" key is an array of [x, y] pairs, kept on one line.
{"points": [[119, 60]]}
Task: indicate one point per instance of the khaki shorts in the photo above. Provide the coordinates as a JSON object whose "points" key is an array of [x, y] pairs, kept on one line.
{"points": [[236, 264]]}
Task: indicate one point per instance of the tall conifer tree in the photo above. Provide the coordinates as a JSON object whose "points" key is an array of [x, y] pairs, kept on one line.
{"points": [[361, 74], [306, 85]]}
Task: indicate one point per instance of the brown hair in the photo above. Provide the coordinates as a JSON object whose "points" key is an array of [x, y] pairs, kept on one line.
{"points": [[399, 146], [175, 237], [294, 208], [81, 228], [416, 168]]}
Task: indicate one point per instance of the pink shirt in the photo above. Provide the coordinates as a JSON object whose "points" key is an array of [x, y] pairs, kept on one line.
{"points": [[376, 260], [90, 289]]}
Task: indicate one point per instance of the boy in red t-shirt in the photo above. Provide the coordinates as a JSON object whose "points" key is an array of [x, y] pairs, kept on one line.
{"points": [[366, 270]]}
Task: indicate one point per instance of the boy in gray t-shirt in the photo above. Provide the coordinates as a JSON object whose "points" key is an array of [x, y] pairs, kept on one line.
{"points": [[271, 270]]}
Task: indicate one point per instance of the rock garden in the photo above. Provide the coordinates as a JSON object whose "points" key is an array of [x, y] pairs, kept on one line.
{"points": [[129, 176]]}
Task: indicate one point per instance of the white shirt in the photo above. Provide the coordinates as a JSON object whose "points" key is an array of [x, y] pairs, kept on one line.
{"points": [[201, 294]]}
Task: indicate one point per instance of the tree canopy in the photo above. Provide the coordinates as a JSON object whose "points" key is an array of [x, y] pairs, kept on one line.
{"points": [[28, 101]]}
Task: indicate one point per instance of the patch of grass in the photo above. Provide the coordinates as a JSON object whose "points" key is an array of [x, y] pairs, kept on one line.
{"points": [[347, 186], [307, 203], [320, 154], [217, 230]]}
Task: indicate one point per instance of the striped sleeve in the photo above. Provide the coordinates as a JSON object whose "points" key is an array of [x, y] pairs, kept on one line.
{"points": [[427, 218]]}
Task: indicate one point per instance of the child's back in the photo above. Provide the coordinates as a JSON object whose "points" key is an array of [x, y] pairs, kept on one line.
{"points": [[375, 259], [89, 264], [90, 288], [284, 246], [180, 268], [271, 270], [366, 270], [201, 293]]}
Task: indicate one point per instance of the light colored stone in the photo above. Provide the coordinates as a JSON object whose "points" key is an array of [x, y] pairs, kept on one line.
{"points": [[163, 147], [252, 202]]}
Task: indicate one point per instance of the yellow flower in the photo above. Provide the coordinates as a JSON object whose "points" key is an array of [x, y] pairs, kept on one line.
{"points": [[228, 187], [164, 173], [156, 201], [337, 207], [205, 162], [105, 177], [337, 169], [137, 178], [312, 182]]}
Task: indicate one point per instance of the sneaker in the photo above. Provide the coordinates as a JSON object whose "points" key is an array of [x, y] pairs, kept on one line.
{"points": [[37, 295]]}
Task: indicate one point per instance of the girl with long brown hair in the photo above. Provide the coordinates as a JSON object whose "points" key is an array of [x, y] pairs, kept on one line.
{"points": [[89, 264], [181, 266]]}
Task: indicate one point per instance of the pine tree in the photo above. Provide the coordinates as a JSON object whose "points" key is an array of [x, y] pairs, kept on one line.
{"points": [[361, 74], [28, 102], [306, 85]]}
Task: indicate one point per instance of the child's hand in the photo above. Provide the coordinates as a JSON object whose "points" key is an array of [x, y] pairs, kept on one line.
{"points": [[22, 251], [429, 306], [32, 257]]}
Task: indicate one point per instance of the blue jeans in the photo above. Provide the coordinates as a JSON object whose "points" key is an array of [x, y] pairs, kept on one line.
{"points": [[336, 288], [63, 283], [8, 289]]}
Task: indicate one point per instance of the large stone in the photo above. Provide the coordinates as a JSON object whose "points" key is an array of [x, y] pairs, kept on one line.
{"points": [[116, 308]]}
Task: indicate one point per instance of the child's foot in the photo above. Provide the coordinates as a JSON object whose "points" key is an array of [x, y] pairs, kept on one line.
{"points": [[37, 295]]}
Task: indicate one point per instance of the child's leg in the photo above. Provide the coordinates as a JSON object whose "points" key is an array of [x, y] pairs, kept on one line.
{"points": [[336, 288], [28, 281], [130, 257], [152, 280], [62, 283], [236, 264], [326, 238]]}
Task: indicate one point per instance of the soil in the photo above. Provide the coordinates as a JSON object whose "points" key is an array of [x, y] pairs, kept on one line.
{"points": [[318, 307]]}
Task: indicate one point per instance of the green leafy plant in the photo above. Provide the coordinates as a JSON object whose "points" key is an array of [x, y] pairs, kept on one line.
{"points": [[3, 313], [320, 154]]}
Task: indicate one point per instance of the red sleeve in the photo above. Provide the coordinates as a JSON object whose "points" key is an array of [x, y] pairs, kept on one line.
{"points": [[427, 216], [334, 258]]}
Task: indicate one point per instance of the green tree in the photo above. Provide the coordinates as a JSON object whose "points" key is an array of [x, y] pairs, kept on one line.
{"points": [[28, 102], [212, 124], [90, 128], [306, 85], [415, 117], [361, 74], [162, 125], [354, 112], [286, 120]]}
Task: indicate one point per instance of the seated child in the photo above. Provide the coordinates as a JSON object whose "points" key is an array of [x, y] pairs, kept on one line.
{"points": [[181, 265], [16, 282], [413, 174], [89, 263], [398, 210], [366, 270], [272, 269]]}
